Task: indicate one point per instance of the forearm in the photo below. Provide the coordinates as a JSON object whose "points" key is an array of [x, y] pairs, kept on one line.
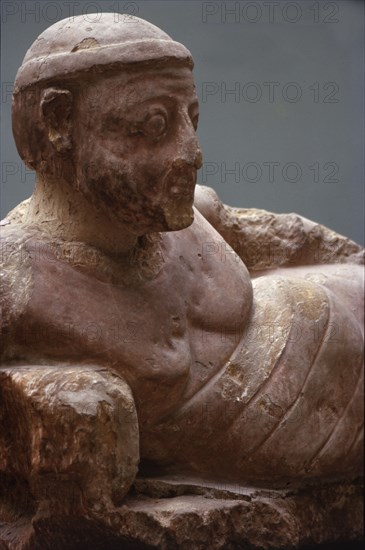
{"points": [[265, 240], [53, 420]]}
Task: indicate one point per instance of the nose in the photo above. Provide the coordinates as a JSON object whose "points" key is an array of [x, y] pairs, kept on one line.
{"points": [[198, 158], [189, 147]]}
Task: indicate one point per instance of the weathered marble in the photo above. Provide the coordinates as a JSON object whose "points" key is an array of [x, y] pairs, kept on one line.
{"points": [[69, 456], [148, 327]]}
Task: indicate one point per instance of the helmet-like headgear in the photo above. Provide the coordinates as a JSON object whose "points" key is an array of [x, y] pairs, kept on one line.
{"points": [[76, 44]]}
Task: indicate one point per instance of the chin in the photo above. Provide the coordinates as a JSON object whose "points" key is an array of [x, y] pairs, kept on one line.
{"points": [[177, 218]]}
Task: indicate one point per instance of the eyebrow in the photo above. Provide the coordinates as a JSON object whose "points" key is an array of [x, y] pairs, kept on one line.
{"points": [[163, 98]]}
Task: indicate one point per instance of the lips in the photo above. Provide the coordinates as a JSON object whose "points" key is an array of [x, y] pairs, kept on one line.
{"points": [[178, 192], [180, 182]]}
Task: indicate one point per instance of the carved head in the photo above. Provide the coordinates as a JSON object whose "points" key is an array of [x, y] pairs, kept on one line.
{"points": [[110, 108]]}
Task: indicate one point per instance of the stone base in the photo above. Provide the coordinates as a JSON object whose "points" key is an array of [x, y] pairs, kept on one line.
{"points": [[171, 513], [68, 460]]}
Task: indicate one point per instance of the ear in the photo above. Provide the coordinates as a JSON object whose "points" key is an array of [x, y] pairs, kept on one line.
{"points": [[56, 108]]}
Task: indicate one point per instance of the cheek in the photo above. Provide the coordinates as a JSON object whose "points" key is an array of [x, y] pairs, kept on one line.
{"points": [[152, 163], [97, 161], [110, 164]]}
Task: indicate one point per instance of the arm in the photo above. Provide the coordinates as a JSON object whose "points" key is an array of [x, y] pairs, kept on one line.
{"points": [[265, 240], [69, 437], [68, 432]]}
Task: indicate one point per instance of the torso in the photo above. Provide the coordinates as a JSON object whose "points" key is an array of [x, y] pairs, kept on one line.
{"points": [[166, 336], [178, 339]]}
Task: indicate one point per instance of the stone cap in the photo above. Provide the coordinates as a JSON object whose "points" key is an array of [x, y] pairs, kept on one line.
{"points": [[78, 44]]}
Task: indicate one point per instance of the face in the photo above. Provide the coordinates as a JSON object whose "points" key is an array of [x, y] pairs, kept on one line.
{"points": [[136, 151]]}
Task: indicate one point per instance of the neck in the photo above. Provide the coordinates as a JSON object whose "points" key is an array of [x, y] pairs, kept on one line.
{"points": [[59, 210]]}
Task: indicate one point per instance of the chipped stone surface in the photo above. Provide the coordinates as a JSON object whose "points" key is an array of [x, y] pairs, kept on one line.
{"points": [[176, 514], [73, 430], [146, 327], [266, 240], [68, 460]]}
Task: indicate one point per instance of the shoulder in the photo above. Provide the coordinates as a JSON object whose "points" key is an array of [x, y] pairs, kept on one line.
{"points": [[209, 204]]}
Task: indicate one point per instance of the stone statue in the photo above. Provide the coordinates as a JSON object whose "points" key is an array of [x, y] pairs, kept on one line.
{"points": [[145, 325]]}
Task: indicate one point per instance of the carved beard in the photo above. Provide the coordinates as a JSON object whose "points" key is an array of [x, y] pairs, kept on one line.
{"points": [[145, 204]]}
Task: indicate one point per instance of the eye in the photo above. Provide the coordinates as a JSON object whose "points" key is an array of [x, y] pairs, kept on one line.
{"points": [[155, 125]]}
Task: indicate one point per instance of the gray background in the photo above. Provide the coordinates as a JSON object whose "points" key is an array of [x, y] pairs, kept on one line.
{"points": [[311, 125]]}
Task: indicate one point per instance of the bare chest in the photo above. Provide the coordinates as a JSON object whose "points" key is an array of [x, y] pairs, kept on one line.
{"points": [[166, 336]]}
